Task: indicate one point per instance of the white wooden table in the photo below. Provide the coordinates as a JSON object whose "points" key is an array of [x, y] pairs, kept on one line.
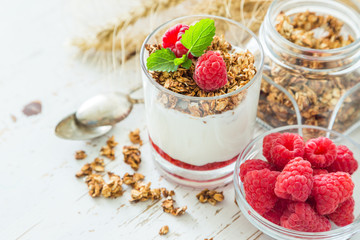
{"points": [[39, 194]]}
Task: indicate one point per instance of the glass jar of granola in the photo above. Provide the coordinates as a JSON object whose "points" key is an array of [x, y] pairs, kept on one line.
{"points": [[312, 64], [196, 135]]}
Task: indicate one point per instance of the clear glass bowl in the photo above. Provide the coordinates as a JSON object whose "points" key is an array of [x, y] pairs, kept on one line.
{"points": [[195, 140], [254, 150]]}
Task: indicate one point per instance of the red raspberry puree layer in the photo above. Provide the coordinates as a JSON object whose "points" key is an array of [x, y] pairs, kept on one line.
{"points": [[206, 167]]}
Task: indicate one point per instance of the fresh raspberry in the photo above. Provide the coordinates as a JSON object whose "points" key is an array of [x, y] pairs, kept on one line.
{"points": [[259, 189], [253, 164], [329, 190], [295, 181], [320, 152], [210, 71], [268, 143], [318, 171], [302, 217], [344, 214], [172, 37], [275, 214], [286, 147], [344, 162]]}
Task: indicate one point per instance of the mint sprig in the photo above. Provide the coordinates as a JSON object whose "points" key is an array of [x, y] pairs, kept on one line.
{"points": [[197, 38], [162, 60]]}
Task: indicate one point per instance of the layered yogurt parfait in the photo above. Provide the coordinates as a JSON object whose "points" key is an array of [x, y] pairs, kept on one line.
{"points": [[201, 77]]}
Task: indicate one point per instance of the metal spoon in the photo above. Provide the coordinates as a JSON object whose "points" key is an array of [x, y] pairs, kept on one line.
{"points": [[96, 116]]}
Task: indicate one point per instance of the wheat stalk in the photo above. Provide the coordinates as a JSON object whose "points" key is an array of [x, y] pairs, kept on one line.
{"points": [[121, 37], [104, 39]]}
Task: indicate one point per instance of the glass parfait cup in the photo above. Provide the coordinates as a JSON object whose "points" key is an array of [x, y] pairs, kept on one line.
{"points": [[195, 141]]}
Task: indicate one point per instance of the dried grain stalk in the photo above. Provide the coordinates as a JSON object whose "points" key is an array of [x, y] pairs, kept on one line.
{"points": [[122, 40]]}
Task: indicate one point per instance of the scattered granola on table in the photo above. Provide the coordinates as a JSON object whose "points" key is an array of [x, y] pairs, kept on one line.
{"points": [[108, 150], [134, 137], [95, 184], [111, 142], [98, 165], [168, 206], [113, 188], [84, 171], [166, 193], [164, 230], [210, 196], [132, 156], [129, 179], [80, 155], [142, 192], [315, 91]]}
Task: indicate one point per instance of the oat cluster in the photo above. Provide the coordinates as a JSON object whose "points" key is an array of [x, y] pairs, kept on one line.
{"points": [[316, 94], [164, 230], [84, 171], [95, 184], [97, 165], [168, 206], [131, 179], [210, 196], [113, 188], [132, 156], [80, 155], [240, 70], [108, 150], [301, 30], [134, 137]]}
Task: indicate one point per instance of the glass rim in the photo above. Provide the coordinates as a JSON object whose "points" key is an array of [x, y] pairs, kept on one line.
{"points": [[192, 98], [348, 48], [351, 228]]}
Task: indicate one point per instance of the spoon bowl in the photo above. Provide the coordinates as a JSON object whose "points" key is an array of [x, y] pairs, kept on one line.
{"points": [[70, 128], [96, 116], [104, 109]]}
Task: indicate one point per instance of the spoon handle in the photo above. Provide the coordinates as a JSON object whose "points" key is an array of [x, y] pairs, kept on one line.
{"points": [[134, 100], [135, 89]]}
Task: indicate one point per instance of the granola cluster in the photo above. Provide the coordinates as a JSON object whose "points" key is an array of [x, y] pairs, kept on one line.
{"points": [[210, 196], [164, 230], [95, 184], [301, 30], [80, 155], [134, 137], [168, 206], [131, 179], [97, 165], [240, 70], [132, 156], [316, 94], [113, 188], [108, 150]]}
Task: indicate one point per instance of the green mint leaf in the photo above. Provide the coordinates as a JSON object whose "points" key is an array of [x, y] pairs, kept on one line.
{"points": [[199, 36], [162, 60], [179, 61], [187, 63]]}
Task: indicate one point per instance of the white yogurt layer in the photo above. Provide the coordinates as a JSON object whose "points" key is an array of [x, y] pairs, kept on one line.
{"points": [[209, 139]]}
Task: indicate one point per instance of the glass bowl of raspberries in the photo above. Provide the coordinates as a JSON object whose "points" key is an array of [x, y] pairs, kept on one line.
{"points": [[300, 182]]}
